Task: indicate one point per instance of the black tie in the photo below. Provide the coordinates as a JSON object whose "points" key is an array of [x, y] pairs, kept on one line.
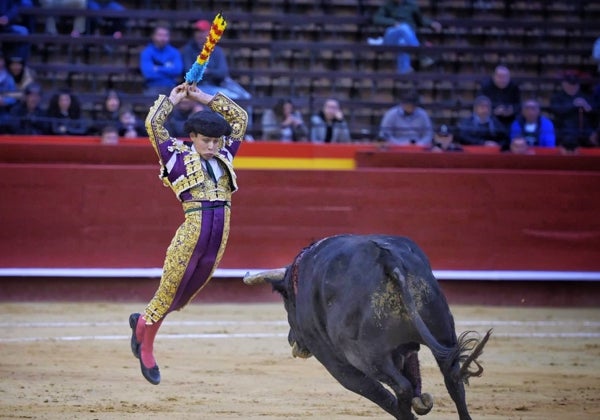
{"points": [[210, 171]]}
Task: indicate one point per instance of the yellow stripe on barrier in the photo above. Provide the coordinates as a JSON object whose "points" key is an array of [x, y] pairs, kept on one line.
{"points": [[242, 162]]}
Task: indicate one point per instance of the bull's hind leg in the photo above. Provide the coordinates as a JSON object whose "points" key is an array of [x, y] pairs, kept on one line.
{"points": [[422, 403], [390, 373], [356, 381], [455, 387]]}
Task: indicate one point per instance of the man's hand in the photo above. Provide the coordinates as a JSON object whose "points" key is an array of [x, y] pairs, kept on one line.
{"points": [[178, 93], [582, 103], [436, 26], [199, 96]]}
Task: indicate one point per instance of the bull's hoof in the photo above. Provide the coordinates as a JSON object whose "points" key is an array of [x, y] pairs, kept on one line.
{"points": [[423, 404], [300, 352]]}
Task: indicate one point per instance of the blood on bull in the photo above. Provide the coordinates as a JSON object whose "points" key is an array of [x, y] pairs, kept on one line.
{"points": [[363, 305]]}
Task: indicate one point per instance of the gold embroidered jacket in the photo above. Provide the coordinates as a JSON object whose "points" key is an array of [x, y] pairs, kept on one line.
{"points": [[180, 164]]}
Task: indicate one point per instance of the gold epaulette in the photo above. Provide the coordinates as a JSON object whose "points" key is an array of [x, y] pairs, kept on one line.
{"points": [[234, 114]]}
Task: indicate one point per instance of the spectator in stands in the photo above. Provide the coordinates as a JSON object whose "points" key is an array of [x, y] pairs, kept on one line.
{"points": [[482, 128], [110, 134], [595, 139], [407, 123], [284, 123], [8, 89], [108, 113], [402, 18], [28, 116], [443, 141], [22, 74], [329, 125], [64, 112], [116, 26], [531, 128], [216, 75], [596, 52], [130, 125], [505, 95], [9, 13], [79, 22], [573, 113], [160, 62], [175, 125]]}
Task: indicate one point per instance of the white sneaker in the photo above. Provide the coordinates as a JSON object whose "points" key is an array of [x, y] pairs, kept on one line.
{"points": [[375, 41], [427, 62]]}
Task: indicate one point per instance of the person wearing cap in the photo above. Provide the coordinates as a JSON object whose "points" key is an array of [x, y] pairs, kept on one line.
{"points": [[407, 123], [573, 113], [531, 128], [482, 128], [216, 76], [201, 175]]}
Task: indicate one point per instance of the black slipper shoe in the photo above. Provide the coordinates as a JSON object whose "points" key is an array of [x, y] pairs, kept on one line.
{"points": [[135, 346], [152, 374]]}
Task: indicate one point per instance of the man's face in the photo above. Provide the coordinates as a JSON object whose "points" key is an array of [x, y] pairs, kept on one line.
{"points": [[32, 100], [571, 88], [15, 67], [161, 37], [531, 111], [331, 109], [483, 110], [501, 77], [186, 105], [206, 147], [408, 108]]}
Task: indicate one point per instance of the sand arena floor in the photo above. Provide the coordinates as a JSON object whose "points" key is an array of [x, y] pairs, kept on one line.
{"points": [[226, 361]]}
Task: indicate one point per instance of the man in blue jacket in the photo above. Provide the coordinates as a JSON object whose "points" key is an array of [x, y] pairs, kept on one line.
{"points": [[161, 63], [531, 128]]}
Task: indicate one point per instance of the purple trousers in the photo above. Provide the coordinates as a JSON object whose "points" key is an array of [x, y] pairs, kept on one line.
{"points": [[193, 255]]}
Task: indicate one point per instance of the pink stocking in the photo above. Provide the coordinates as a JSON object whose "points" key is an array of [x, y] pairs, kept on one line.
{"points": [[147, 347]]}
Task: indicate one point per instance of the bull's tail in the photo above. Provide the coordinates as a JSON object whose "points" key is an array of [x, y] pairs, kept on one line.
{"points": [[440, 351], [468, 349]]}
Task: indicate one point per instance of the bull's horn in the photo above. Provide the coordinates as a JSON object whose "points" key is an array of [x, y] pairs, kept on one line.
{"points": [[271, 275]]}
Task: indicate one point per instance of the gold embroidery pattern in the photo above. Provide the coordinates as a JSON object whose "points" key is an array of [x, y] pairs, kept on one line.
{"points": [[227, 219], [176, 261], [234, 114], [202, 187], [155, 119]]}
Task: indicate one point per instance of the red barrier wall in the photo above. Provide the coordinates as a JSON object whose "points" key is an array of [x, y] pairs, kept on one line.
{"points": [[117, 215]]}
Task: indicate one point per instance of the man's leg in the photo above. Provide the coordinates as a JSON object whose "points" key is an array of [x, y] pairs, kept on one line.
{"points": [[401, 35]]}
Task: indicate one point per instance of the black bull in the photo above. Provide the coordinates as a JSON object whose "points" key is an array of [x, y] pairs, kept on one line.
{"points": [[362, 305]]}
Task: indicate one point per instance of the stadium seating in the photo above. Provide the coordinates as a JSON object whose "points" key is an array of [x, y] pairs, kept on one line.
{"points": [[313, 49]]}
